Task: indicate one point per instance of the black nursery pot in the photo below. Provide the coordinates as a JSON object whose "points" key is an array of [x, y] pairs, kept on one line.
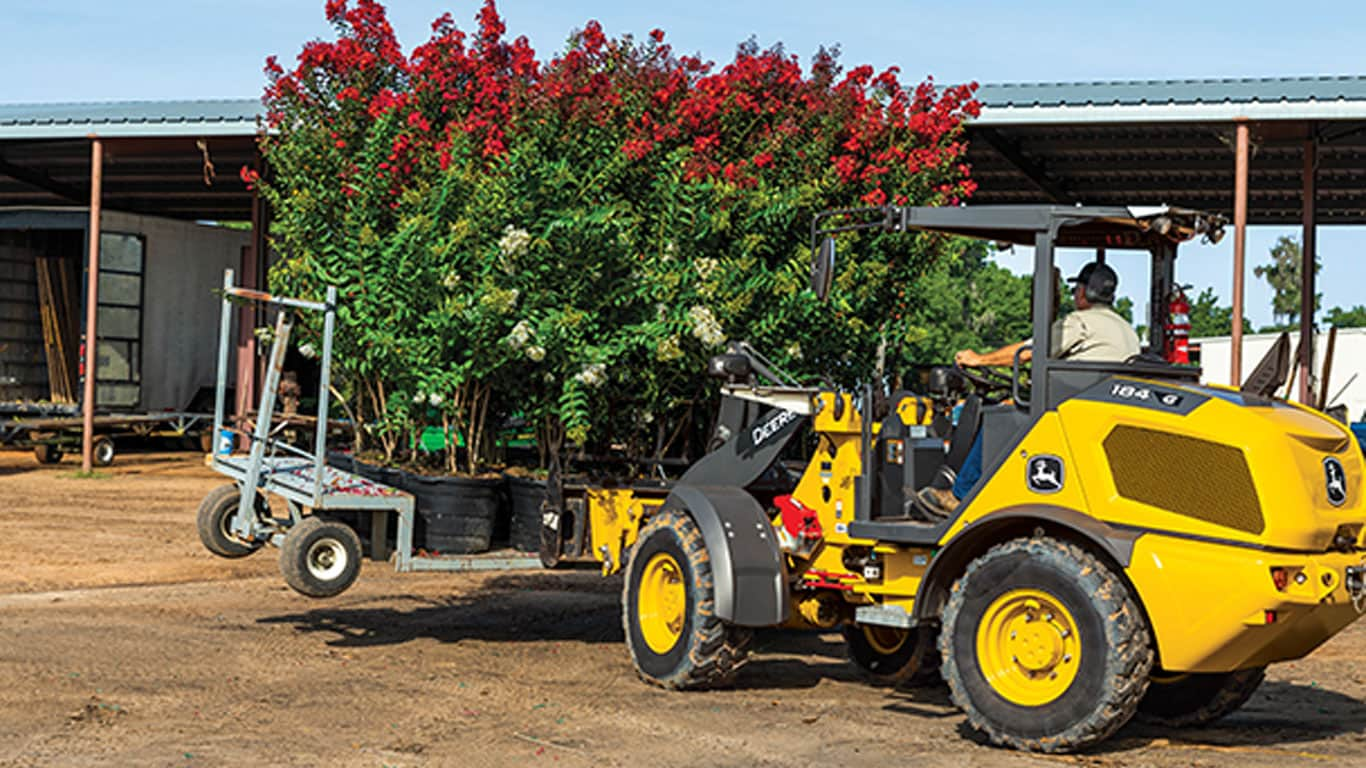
{"points": [[343, 461], [455, 515], [527, 496]]}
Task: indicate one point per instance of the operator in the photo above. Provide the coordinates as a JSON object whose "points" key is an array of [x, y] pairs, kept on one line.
{"points": [[1095, 332]]}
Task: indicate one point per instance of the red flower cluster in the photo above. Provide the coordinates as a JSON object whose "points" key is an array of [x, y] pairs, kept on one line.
{"points": [[757, 120]]}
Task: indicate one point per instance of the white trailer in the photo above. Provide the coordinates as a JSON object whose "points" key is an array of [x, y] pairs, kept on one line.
{"points": [[1347, 379]]}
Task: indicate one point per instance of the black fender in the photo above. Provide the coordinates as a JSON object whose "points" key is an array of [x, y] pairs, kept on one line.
{"points": [[749, 574], [1008, 523]]}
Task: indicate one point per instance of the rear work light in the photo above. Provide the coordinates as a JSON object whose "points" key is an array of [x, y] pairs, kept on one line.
{"points": [[1281, 577]]}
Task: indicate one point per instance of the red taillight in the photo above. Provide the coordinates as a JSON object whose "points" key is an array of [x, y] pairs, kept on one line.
{"points": [[1270, 617], [1281, 578]]}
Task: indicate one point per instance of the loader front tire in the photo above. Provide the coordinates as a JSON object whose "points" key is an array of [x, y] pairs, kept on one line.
{"points": [[1044, 647], [1183, 701], [668, 609]]}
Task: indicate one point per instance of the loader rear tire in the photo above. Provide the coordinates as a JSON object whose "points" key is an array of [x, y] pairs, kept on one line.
{"points": [[1044, 647], [893, 657], [668, 610], [215, 518], [1183, 701]]}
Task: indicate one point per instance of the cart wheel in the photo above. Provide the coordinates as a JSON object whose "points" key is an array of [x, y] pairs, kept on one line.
{"points": [[46, 453], [320, 558], [215, 521], [102, 451]]}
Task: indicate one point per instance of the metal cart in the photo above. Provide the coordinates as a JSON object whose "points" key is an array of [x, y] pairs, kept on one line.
{"points": [[320, 549]]}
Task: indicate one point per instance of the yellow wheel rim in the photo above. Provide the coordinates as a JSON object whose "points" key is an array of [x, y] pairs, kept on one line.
{"points": [[1028, 648], [661, 603], [884, 640]]}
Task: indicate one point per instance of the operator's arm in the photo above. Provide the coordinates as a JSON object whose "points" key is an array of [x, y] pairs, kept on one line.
{"points": [[1003, 356]]}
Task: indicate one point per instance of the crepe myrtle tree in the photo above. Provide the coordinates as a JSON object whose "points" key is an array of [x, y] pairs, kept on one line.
{"points": [[572, 238]]}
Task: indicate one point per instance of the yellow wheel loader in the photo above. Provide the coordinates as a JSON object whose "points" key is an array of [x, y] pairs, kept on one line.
{"points": [[1138, 541]]}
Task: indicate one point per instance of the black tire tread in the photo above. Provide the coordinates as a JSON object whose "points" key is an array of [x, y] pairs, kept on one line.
{"points": [[716, 649], [1129, 643], [215, 504], [295, 571], [918, 671], [1180, 707]]}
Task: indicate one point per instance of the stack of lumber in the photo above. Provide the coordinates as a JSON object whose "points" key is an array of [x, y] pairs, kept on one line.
{"points": [[54, 301]]}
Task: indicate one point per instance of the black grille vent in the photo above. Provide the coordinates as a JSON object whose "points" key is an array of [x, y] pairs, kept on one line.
{"points": [[1186, 475]]}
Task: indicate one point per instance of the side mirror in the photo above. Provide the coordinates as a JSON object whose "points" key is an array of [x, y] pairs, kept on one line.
{"points": [[823, 267]]}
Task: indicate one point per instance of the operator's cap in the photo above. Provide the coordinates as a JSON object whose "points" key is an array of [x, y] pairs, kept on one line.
{"points": [[1099, 279]]}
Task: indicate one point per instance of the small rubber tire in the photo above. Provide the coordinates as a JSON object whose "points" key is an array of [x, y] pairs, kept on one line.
{"points": [[1115, 646], [215, 518], [47, 453], [102, 451], [1198, 699], [893, 657], [320, 558], [708, 652]]}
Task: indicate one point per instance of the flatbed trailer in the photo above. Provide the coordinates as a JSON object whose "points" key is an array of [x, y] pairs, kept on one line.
{"points": [[52, 434]]}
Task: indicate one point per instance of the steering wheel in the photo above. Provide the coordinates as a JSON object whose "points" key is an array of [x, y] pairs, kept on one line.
{"points": [[987, 380]]}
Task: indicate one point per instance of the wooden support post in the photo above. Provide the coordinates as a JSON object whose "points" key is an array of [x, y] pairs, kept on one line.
{"points": [[92, 298], [1240, 172], [1309, 245], [252, 275]]}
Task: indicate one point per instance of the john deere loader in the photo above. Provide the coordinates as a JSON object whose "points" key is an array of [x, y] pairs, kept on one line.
{"points": [[1138, 542]]}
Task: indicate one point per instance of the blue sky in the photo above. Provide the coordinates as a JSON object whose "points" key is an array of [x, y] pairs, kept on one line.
{"points": [[95, 50]]}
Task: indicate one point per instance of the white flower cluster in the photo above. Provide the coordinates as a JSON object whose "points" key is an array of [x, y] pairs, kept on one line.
{"points": [[794, 350], [514, 241], [519, 336], [705, 266], [705, 327], [308, 351], [592, 375], [432, 399], [451, 280]]}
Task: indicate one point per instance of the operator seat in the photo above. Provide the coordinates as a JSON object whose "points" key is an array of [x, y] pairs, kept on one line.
{"points": [[960, 443]]}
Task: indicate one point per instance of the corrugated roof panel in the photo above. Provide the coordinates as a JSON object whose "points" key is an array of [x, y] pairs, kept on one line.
{"points": [[127, 118], [1139, 92]]}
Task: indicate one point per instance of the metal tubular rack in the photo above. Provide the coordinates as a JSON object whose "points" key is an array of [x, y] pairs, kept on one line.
{"points": [[271, 465]]}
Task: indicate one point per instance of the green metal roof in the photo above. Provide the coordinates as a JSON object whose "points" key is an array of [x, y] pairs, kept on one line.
{"points": [[216, 117], [1115, 101]]}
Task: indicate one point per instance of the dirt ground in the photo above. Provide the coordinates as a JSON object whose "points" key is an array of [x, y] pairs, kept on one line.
{"points": [[122, 642]]}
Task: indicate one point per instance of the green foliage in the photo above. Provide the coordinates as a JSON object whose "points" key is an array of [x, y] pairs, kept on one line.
{"points": [[1283, 274], [1210, 319], [1354, 317]]}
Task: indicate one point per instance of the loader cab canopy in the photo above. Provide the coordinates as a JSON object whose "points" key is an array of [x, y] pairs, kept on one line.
{"points": [[1155, 229]]}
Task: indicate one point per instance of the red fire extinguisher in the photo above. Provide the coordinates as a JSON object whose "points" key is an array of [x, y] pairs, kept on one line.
{"points": [[1178, 327]]}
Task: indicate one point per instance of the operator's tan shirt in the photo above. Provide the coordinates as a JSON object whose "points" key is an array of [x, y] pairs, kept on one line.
{"points": [[1097, 333]]}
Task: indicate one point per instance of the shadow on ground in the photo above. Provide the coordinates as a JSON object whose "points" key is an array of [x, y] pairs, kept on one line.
{"points": [[1279, 716], [510, 608]]}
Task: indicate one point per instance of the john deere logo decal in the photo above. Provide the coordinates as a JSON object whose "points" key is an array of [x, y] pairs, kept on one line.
{"points": [[1044, 473], [1334, 481]]}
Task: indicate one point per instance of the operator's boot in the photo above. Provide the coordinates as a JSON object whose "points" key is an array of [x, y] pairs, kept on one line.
{"points": [[935, 504]]}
